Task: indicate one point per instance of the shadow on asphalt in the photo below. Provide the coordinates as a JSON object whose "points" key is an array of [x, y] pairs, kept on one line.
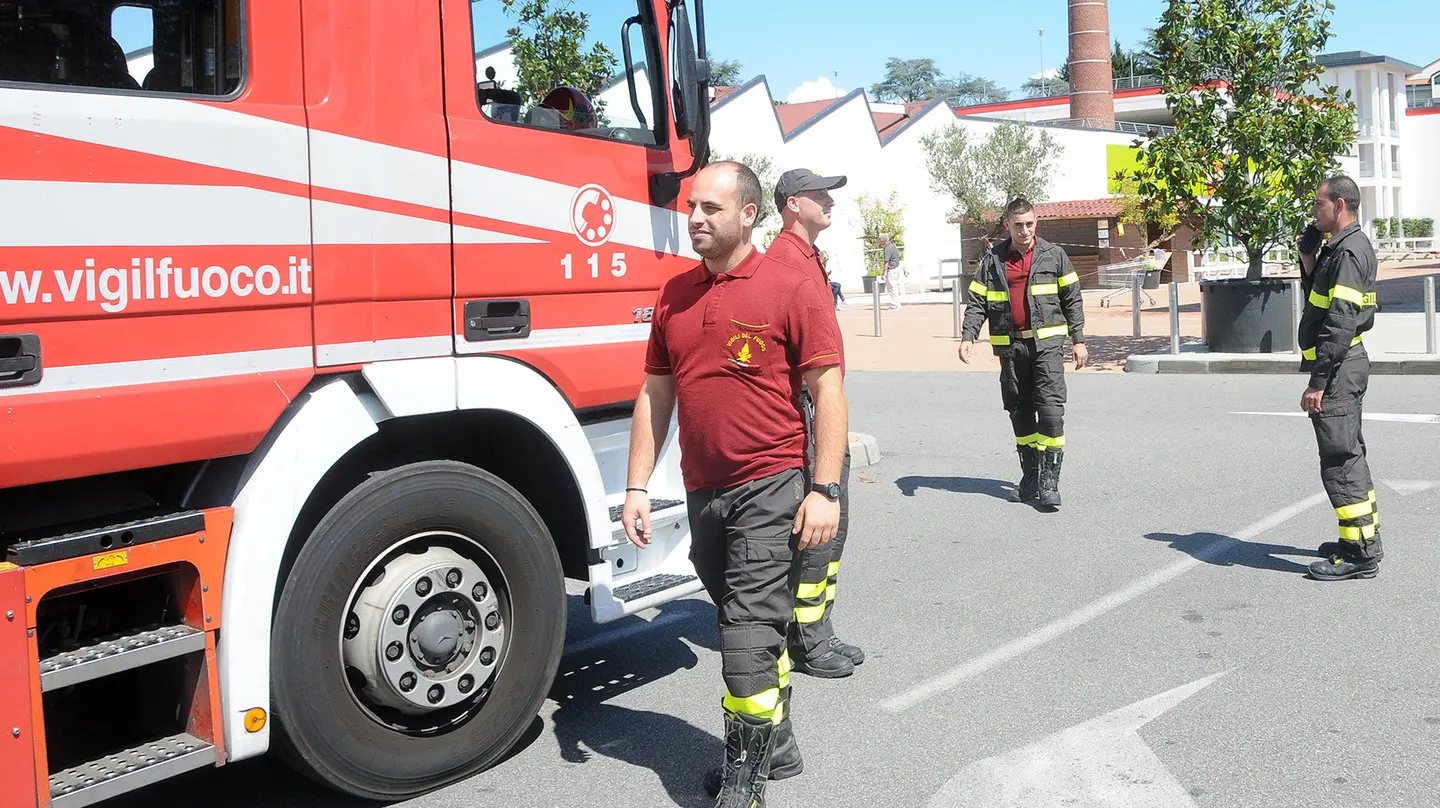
{"points": [[1235, 553], [586, 725], [998, 489]]}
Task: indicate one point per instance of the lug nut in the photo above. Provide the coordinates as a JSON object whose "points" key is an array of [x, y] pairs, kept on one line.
{"points": [[436, 694], [422, 587], [400, 615], [393, 651], [352, 626], [479, 592], [487, 656], [453, 578], [492, 621], [466, 682], [407, 682]]}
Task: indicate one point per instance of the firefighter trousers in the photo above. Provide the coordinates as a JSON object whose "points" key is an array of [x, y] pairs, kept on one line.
{"points": [[819, 566], [1032, 388], [1343, 466], [745, 554]]}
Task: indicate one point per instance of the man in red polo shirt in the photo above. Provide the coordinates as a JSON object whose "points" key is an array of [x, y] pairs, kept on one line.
{"points": [[730, 343], [804, 201]]}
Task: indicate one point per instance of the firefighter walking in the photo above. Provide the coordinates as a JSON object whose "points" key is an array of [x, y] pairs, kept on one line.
{"points": [[1028, 292], [804, 201], [730, 341], [1340, 307]]}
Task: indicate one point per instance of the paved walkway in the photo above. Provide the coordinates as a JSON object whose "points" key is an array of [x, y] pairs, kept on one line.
{"points": [[920, 335]]}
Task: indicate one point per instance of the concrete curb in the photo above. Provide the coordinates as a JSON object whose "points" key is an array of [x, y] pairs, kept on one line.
{"points": [[864, 450], [1394, 364]]}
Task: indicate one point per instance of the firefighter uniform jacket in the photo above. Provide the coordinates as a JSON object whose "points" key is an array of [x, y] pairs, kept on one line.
{"points": [[1341, 304], [1052, 297]]}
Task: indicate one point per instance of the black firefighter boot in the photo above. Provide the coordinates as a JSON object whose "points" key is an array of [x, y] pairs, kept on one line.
{"points": [[1348, 559], [1050, 478], [785, 760], [748, 744], [1029, 487]]}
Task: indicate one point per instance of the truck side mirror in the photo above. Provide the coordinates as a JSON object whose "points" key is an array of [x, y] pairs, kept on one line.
{"points": [[690, 97]]}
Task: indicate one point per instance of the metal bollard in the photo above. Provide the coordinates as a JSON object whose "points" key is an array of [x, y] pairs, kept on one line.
{"points": [[1174, 317], [1135, 300], [1430, 315], [876, 288], [959, 307], [1297, 306]]}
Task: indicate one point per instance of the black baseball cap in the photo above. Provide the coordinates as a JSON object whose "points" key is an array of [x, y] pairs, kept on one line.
{"points": [[797, 180]]}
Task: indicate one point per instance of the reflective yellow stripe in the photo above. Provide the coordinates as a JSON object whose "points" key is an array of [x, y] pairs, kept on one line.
{"points": [[830, 594], [784, 666], [1052, 331], [809, 614], [1047, 442], [996, 297], [999, 339], [1069, 279], [1308, 353], [1028, 440], [1340, 292], [761, 705], [978, 288], [811, 591], [1356, 341], [833, 569], [1357, 533], [1358, 509], [1318, 300], [1348, 294], [1045, 289]]}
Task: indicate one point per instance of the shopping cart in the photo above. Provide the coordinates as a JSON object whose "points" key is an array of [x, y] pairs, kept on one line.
{"points": [[1121, 276]]}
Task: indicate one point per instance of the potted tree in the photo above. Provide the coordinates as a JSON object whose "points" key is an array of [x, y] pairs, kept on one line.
{"points": [[879, 216], [1255, 134]]}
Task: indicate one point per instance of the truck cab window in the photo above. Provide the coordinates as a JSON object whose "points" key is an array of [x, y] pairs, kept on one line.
{"points": [[189, 47], [563, 67]]}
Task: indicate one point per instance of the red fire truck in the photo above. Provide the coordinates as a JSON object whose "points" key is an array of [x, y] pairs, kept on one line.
{"points": [[317, 348]]}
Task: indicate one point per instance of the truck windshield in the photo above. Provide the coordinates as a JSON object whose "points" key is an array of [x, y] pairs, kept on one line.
{"points": [[562, 66]]}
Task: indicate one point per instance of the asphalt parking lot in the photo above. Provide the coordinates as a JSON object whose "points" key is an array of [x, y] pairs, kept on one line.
{"points": [[1152, 644]]}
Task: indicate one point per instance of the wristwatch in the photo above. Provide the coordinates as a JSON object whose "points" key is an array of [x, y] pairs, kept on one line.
{"points": [[830, 490]]}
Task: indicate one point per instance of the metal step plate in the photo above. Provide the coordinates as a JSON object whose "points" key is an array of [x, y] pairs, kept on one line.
{"points": [[102, 538], [129, 770], [656, 505], [116, 654], [650, 586]]}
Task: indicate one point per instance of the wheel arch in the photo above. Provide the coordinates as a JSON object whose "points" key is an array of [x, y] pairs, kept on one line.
{"points": [[386, 416]]}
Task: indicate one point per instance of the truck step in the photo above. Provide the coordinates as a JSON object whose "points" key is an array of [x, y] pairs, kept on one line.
{"points": [[656, 505], [90, 540], [649, 586], [129, 770], [117, 654]]}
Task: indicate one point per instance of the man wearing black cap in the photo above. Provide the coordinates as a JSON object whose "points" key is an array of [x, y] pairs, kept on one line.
{"points": [[803, 199]]}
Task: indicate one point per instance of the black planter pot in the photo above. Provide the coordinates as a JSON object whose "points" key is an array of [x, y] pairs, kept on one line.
{"points": [[869, 281], [1245, 316]]}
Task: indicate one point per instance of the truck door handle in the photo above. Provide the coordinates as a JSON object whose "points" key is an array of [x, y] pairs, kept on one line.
{"points": [[496, 319], [20, 360]]}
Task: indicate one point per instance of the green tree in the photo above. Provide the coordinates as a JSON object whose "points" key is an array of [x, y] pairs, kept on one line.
{"points": [[981, 175], [1248, 153], [723, 72], [549, 39], [909, 80], [880, 216], [764, 168]]}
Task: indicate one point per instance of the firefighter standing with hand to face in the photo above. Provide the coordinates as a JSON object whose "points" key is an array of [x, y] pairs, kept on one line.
{"points": [[1340, 306], [1027, 290], [730, 343]]}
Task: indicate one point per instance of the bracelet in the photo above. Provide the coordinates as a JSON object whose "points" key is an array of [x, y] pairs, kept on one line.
{"points": [[641, 490]]}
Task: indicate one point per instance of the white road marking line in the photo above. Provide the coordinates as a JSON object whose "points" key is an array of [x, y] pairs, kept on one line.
{"points": [[1394, 417], [985, 662], [1407, 487], [601, 640], [1102, 762]]}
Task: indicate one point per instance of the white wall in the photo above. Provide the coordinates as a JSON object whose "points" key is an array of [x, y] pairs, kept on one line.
{"points": [[139, 64], [1421, 164], [843, 141], [506, 73]]}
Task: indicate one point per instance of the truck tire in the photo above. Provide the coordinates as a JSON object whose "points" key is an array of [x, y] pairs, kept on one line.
{"points": [[417, 579]]}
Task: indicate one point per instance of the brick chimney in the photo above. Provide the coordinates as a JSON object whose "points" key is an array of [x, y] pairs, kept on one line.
{"points": [[1092, 87]]}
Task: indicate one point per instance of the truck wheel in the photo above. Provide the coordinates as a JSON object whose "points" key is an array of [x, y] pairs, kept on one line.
{"points": [[418, 633]]}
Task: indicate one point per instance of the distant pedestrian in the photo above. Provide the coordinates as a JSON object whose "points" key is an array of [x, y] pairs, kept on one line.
{"points": [[731, 340], [1029, 293], [890, 268], [1340, 307]]}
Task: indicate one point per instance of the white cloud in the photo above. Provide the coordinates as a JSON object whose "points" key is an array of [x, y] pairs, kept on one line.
{"points": [[821, 89], [1049, 73]]}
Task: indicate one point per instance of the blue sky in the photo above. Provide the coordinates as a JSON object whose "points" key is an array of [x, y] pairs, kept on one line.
{"points": [[848, 41]]}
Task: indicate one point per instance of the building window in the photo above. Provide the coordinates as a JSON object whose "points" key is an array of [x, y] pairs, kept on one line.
{"points": [[622, 106], [189, 47]]}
